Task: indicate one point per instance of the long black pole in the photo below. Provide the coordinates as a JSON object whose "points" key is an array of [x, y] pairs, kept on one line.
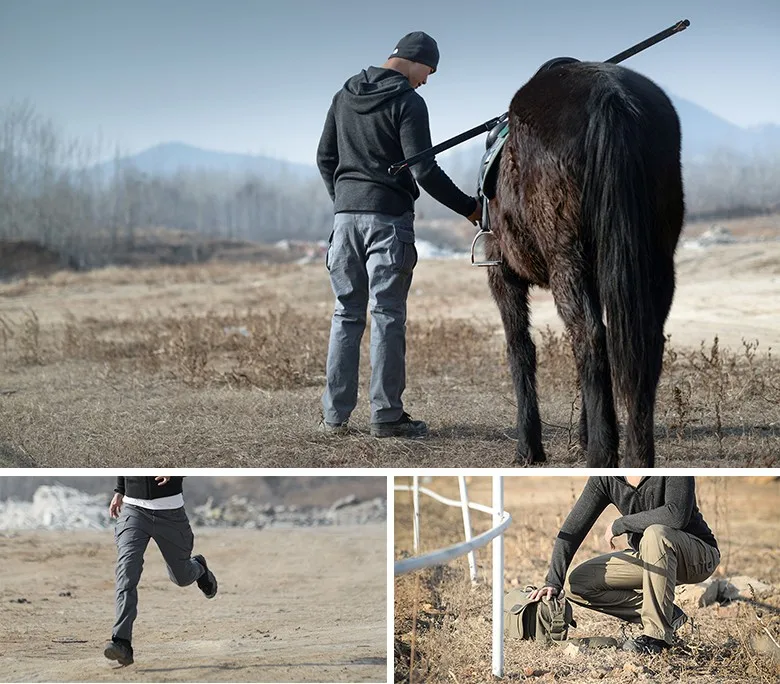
{"points": [[482, 128], [652, 40]]}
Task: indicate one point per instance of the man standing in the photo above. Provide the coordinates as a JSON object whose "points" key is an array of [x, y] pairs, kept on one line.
{"points": [[375, 120], [150, 508], [670, 544]]}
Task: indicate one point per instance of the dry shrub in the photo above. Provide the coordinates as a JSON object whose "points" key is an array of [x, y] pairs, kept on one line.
{"points": [[725, 393], [26, 336], [555, 363], [448, 347], [271, 350]]}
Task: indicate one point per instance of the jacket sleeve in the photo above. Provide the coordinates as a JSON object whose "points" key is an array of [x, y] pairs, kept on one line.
{"points": [[328, 152], [120, 486], [579, 522], [415, 135], [675, 513]]}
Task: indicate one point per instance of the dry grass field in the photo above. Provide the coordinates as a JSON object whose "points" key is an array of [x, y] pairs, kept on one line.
{"points": [[222, 364], [300, 605], [452, 629]]}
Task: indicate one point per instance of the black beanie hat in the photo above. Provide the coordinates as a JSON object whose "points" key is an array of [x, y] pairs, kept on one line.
{"points": [[418, 46]]}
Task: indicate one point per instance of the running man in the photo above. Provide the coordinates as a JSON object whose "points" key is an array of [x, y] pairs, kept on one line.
{"points": [[150, 508]]}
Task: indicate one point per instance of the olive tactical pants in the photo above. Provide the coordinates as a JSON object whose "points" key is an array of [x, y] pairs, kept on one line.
{"points": [[639, 586]]}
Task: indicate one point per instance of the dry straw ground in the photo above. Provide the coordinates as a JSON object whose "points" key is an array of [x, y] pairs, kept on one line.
{"points": [[452, 631], [222, 365]]}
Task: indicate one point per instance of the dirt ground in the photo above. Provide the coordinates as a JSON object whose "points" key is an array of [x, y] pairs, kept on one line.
{"points": [[293, 605], [222, 365], [452, 630]]}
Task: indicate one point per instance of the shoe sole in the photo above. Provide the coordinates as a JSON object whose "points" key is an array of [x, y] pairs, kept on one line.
{"points": [[642, 651], [381, 434], [679, 622], [112, 652], [209, 574], [336, 432]]}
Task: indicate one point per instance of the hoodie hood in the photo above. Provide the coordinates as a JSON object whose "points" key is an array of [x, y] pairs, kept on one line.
{"points": [[374, 87]]}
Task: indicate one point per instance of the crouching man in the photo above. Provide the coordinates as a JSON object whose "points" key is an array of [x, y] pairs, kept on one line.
{"points": [[670, 544], [150, 508]]}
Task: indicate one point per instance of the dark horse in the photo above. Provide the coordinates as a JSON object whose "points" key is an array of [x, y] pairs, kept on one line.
{"points": [[589, 202]]}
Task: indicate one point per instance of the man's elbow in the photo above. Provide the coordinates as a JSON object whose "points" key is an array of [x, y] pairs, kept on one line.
{"points": [[679, 518]]}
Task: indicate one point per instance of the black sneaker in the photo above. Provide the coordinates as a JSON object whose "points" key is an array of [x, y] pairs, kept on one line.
{"points": [[207, 583], [119, 650], [646, 645], [403, 427], [679, 618]]}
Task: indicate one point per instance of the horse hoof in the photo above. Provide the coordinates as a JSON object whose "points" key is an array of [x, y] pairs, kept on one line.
{"points": [[525, 460]]}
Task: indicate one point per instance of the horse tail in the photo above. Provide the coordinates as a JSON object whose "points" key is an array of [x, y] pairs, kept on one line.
{"points": [[620, 220]]}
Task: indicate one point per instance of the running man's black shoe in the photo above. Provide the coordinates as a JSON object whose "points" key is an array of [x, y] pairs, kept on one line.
{"points": [[207, 583], [119, 650]]}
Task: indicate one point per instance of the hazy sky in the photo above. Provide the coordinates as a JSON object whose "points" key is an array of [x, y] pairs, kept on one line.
{"points": [[258, 75]]}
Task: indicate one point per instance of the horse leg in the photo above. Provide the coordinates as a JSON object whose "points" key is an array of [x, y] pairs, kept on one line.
{"points": [[578, 305], [511, 295], [583, 428]]}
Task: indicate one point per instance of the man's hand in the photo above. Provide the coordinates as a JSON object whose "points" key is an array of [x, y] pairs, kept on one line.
{"points": [[544, 592], [115, 506], [162, 480], [608, 537], [476, 215]]}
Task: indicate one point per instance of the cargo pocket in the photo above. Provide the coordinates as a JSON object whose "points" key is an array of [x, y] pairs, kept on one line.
{"points": [[327, 251], [404, 251], [120, 525]]}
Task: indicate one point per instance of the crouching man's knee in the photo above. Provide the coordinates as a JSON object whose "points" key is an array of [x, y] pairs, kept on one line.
{"points": [[655, 536], [577, 584]]}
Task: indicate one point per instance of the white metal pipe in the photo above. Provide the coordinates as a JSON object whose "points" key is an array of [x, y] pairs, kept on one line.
{"points": [[443, 499], [464, 506], [498, 579], [416, 499], [442, 556]]}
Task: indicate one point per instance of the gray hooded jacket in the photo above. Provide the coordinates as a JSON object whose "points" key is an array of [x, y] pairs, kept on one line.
{"points": [[375, 120]]}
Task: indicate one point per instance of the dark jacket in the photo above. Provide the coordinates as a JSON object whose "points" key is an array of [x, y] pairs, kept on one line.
{"points": [[375, 120], [669, 501], [147, 487]]}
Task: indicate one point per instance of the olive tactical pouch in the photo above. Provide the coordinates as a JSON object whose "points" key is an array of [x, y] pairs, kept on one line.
{"points": [[541, 620]]}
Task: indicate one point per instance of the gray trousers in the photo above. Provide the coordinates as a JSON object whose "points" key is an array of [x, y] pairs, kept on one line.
{"points": [[171, 530], [639, 586], [370, 259]]}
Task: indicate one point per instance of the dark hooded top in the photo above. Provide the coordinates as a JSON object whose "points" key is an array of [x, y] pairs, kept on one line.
{"points": [[147, 487], [375, 120], [669, 501]]}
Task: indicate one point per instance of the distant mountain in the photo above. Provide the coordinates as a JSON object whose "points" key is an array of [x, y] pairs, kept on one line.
{"points": [[704, 134], [167, 159]]}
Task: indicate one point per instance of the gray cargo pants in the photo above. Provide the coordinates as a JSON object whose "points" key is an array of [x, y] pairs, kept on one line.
{"points": [[171, 530], [370, 259]]}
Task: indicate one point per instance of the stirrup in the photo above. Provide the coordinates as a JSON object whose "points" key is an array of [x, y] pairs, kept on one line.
{"points": [[482, 233]]}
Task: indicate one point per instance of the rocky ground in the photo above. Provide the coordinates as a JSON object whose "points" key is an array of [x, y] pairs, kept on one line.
{"points": [[58, 507]]}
